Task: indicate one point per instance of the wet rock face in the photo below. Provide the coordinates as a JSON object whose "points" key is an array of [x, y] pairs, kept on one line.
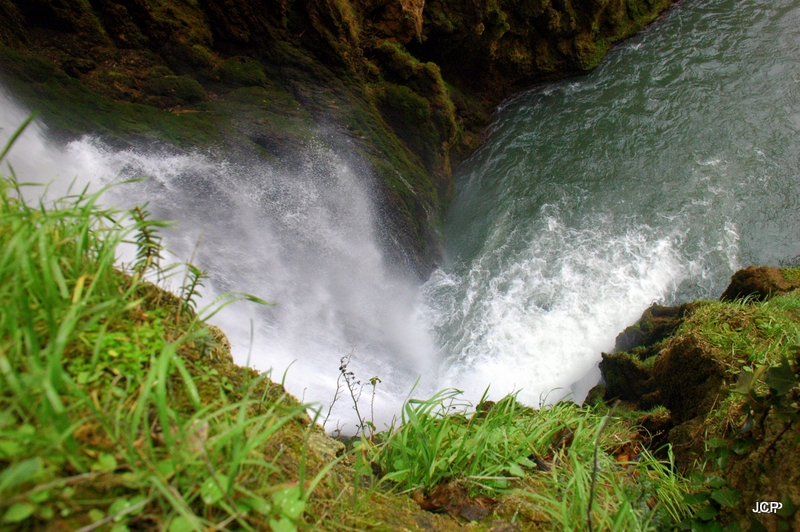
{"points": [[509, 43], [410, 84], [656, 324], [653, 367], [758, 283]]}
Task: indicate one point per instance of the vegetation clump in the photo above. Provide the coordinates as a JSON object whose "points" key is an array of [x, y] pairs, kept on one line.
{"points": [[727, 374]]}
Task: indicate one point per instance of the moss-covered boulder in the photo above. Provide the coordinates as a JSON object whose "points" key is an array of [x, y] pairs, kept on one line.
{"points": [[684, 377], [630, 372], [240, 71], [656, 324], [171, 91], [625, 376], [687, 378], [759, 283]]}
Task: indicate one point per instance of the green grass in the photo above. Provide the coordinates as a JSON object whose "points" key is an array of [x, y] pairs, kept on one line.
{"points": [[495, 451], [744, 335], [745, 446], [748, 333], [108, 417]]}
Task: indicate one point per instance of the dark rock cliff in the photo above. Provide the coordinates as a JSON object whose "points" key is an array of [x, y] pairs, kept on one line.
{"points": [[405, 85]]}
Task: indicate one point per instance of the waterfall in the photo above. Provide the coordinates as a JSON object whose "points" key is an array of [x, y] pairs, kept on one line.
{"points": [[305, 240]]}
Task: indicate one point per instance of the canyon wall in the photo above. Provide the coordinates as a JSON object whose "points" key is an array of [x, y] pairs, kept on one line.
{"points": [[406, 85]]}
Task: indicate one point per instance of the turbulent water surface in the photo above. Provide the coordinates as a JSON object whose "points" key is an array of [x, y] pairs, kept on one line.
{"points": [[651, 179]]}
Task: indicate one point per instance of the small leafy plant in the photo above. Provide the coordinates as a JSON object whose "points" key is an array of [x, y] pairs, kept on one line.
{"points": [[770, 390]]}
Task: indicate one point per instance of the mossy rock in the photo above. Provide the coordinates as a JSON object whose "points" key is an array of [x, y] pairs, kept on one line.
{"points": [[688, 443], [397, 60], [171, 91], [625, 377], [684, 377], [29, 68], [656, 324], [404, 105], [687, 377], [241, 72], [759, 284], [410, 116], [159, 71], [191, 59], [76, 67], [595, 396]]}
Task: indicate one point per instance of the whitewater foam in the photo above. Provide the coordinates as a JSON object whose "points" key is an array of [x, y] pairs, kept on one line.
{"points": [[305, 240], [537, 320]]}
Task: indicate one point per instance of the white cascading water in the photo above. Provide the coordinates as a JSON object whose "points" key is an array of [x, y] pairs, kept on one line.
{"points": [[537, 323], [305, 242]]}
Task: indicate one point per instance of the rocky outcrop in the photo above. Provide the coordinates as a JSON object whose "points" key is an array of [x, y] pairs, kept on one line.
{"points": [[654, 367], [407, 85], [656, 324], [759, 283], [685, 377], [718, 381]]}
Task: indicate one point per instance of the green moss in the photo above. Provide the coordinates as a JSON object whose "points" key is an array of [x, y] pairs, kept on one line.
{"points": [[70, 108], [171, 91], [399, 61], [590, 50], [626, 17], [625, 376], [407, 105], [241, 72]]}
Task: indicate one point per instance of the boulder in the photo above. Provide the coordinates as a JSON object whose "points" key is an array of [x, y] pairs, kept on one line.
{"points": [[656, 324], [758, 283]]}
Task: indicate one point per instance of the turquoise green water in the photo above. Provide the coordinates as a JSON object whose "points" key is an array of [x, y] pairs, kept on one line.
{"points": [[652, 179]]}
